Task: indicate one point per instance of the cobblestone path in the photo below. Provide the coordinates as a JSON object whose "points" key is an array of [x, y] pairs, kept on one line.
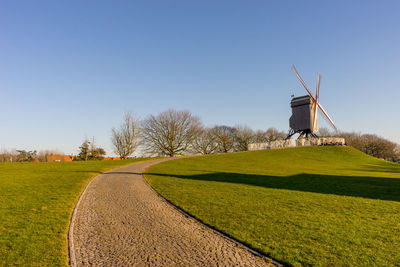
{"points": [[121, 221]]}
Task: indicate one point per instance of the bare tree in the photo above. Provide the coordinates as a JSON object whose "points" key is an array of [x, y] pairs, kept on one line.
{"points": [[170, 133], [10, 155], [205, 142], [325, 132], [372, 144], [125, 138], [379, 147], [224, 136], [274, 134], [397, 153], [243, 136], [260, 136]]}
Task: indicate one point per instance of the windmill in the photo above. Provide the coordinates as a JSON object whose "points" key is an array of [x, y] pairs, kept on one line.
{"points": [[304, 119]]}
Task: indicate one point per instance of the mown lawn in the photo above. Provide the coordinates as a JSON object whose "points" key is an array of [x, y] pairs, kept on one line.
{"points": [[36, 202], [322, 206]]}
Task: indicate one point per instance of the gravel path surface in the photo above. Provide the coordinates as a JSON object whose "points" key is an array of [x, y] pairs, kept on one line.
{"points": [[121, 221]]}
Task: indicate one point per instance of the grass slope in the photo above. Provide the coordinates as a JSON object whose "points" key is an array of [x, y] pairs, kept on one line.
{"points": [[36, 202], [323, 206]]}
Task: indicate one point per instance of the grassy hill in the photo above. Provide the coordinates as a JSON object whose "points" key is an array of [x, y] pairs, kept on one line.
{"points": [[324, 206], [36, 202]]}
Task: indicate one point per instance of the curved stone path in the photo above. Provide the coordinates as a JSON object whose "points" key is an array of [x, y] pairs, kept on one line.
{"points": [[121, 221]]}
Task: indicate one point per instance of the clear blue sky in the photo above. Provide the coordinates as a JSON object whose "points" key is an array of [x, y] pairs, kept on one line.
{"points": [[72, 68]]}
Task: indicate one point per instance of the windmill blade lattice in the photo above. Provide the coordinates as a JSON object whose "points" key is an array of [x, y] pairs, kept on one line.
{"points": [[315, 105]]}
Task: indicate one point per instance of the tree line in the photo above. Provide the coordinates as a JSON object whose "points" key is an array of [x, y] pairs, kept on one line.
{"points": [[87, 151], [15, 155], [173, 133]]}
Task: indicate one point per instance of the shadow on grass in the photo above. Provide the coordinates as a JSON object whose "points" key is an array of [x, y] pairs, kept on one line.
{"points": [[355, 186], [390, 168]]}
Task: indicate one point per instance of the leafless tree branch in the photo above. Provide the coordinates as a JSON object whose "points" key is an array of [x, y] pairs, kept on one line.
{"points": [[170, 133], [125, 138]]}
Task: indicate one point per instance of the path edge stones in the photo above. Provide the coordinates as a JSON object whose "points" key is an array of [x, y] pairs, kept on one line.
{"points": [[71, 246]]}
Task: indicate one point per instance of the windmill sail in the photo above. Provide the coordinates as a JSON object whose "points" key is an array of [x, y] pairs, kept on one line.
{"points": [[312, 112], [314, 115]]}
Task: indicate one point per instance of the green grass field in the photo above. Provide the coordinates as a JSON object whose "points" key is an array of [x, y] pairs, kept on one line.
{"points": [[323, 206], [36, 202]]}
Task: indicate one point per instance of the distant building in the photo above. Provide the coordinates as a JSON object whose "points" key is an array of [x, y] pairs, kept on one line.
{"points": [[58, 158], [112, 158]]}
